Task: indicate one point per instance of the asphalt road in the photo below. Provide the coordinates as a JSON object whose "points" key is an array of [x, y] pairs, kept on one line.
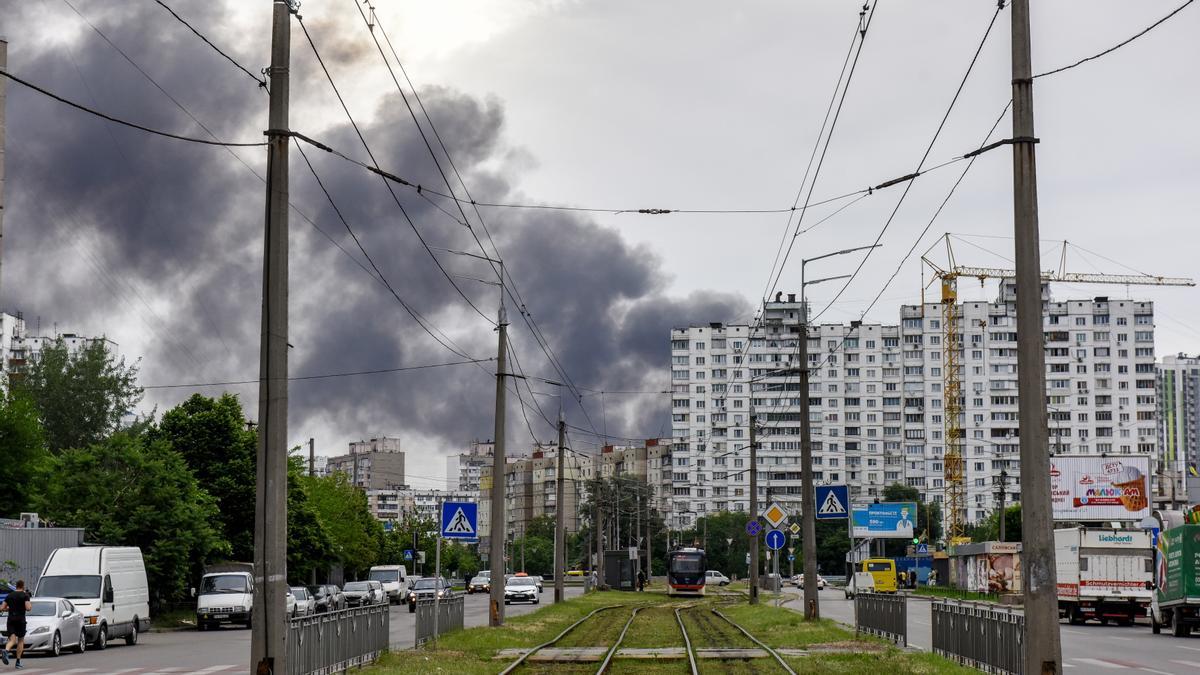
{"points": [[1090, 648], [227, 650]]}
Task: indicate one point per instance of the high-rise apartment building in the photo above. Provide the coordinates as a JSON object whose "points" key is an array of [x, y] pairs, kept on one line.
{"points": [[1179, 430], [464, 469], [377, 464], [876, 396], [531, 490]]}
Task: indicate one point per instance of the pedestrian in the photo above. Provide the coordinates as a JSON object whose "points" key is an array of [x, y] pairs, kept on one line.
{"points": [[641, 580], [16, 604]]}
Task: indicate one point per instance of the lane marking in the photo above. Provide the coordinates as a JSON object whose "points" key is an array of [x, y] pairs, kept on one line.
{"points": [[1190, 664], [1157, 672], [1099, 663], [1195, 649]]}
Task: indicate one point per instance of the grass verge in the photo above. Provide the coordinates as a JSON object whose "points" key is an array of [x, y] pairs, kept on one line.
{"points": [[179, 619], [955, 594]]}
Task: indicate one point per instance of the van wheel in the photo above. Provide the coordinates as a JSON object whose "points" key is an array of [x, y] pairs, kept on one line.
{"points": [[1155, 626], [56, 644], [102, 638], [132, 637], [82, 646]]}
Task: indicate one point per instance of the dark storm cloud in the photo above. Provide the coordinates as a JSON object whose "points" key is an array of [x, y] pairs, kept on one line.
{"points": [[184, 224]]}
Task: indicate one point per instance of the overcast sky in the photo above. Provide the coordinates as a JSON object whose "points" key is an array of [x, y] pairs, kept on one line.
{"points": [[616, 104]]}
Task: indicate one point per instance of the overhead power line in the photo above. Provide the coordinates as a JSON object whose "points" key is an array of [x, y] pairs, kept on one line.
{"points": [[378, 371], [126, 123], [261, 82], [1117, 46]]}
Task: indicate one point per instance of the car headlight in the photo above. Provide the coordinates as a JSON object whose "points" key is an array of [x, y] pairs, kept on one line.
{"points": [[41, 629]]}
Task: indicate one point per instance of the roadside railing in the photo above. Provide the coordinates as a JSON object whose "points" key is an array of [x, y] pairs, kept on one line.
{"points": [[883, 615], [333, 642], [434, 621], [983, 636]]}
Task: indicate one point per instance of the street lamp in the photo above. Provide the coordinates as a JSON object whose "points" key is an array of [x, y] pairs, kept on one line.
{"points": [[808, 505]]}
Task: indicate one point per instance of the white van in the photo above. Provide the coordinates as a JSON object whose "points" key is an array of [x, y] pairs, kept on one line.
{"points": [[394, 579], [105, 583]]}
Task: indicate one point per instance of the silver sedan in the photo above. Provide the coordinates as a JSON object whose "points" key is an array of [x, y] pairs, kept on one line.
{"points": [[53, 624]]}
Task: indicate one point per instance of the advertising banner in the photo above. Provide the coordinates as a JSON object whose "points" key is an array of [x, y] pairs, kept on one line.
{"points": [[890, 520], [1088, 487]]}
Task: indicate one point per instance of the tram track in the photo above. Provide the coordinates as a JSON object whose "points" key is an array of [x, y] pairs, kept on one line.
{"points": [[566, 631]]}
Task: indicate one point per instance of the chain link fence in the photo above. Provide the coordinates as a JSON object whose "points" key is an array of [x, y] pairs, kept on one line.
{"points": [[986, 637], [333, 642], [448, 614], [883, 615]]}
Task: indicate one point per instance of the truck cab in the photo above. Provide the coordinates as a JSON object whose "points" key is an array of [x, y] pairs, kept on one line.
{"points": [[225, 596], [394, 579]]}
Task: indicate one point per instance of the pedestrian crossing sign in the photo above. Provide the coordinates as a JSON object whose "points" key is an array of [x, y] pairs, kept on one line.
{"points": [[460, 520], [832, 502]]}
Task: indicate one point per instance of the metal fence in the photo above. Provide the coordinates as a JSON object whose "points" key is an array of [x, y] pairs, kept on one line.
{"points": [[336, 641], [449, 614], [986, 637], [882, 614]]}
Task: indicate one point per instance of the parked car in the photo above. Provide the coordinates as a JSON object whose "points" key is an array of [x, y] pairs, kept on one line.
{"points": [[521, 589], [224, 597], [715, 577], [305, 603], [290, 604], [363, 593], [798, 580], [107, 584], [480, 583], [327, 598], [425, 588], [51, 624]]}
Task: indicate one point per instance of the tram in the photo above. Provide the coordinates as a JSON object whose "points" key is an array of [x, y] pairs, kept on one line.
{"points": [[685, 571]]}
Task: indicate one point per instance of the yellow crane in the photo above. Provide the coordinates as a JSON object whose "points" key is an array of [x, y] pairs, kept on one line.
{"points": [[951, 317]]}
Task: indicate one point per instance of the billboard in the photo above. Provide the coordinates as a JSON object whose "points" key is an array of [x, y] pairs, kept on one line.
{"points": [[1089, 487], [882, 521]]}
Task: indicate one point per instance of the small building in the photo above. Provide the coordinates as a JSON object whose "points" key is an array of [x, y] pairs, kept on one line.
{"points": [[24, 549], [987, 567]]}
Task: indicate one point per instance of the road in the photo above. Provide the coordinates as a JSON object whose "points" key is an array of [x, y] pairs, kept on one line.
{"points": [[1090, 648], [227, 650]]}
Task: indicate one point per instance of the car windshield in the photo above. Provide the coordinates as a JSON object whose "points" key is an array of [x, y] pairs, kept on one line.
{"points": [[224, 583], [522, 581], [357, 586], [75, 587], [43, 608], [425, 585], [385, 575], [300, 593], [483, 575]]}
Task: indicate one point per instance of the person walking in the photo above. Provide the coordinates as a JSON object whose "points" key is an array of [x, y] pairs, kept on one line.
{"points": [[641, 580], [16, 604]]}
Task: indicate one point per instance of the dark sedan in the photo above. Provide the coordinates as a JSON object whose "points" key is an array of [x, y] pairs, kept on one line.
{"points": [[425, 589]]}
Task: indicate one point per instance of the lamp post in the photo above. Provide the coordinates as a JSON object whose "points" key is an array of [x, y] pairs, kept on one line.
{"points": [[808, 499]]}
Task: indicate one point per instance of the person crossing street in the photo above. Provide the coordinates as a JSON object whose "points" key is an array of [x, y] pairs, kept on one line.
{"points": [[16, 604]]}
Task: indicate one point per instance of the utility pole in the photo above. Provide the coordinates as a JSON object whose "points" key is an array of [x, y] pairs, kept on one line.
{"points": [[808, 521], [268, 649], [1001, 494], [753, 506], [560, 510], [598, 521], [312, 458], [3, 138], [499, 494], [1043, 647]]}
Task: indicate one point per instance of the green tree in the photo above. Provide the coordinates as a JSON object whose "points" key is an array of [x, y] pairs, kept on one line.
{"points": [[22, 452], [212, 436], [128, 490], [79, 398], [989, 528], [309, 547], [343, 511]]}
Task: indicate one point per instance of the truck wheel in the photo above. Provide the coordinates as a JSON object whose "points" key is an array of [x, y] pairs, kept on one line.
{"points": [[1178, 627], [1075, 618]]}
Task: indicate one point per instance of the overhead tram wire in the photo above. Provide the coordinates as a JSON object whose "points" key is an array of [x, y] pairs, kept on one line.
{"points": [[928, 149], [325, 376], [512, 288], [261, 81], [1117, 46], [371, 154]]}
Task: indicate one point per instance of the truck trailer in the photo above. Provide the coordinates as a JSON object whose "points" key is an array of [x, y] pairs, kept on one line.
{"points": [[1177, 597], [1104, 574]]}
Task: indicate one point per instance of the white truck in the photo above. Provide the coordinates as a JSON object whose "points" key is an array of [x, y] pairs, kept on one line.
{"points": [[394, 579], [1103, 574], [226, 595]]}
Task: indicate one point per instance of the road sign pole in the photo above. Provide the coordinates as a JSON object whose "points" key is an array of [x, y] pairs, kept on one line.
{"points": [[437, 575]]}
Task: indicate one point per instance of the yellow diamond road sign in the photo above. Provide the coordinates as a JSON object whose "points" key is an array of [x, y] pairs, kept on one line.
{"points": [[795, 528], [775, 516]]}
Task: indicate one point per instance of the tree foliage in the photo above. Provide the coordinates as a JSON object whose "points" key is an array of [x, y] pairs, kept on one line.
{"points": [[130, 490], [989, 528], [354, 533], [212, 437], [309, 549], [21, 452], [79, 398]]}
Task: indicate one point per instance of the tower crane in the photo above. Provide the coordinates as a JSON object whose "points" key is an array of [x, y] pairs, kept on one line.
{"points": [[952, 345]]}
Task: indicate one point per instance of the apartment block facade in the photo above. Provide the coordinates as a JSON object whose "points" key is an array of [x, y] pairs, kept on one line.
{"points": [[1179, 428], [877, 393], [375, 464], [463, 470]]}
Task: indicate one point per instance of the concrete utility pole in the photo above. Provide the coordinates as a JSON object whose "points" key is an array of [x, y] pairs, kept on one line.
{"points": [[560, 509], [598, 521], [808, 511], [499, 494], [753, 506], [268, 649], [1001, 495], [312, 458], [3, 139], [1043, 648]]}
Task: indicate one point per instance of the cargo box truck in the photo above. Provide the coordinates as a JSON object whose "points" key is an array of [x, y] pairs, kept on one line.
{"points": [[1177, 599], [1104, 574]]}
